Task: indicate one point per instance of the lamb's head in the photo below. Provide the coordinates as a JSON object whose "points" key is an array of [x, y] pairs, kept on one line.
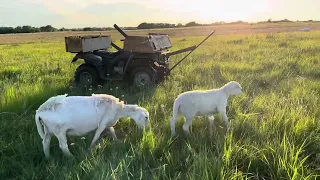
{"points": [[140, 115], [232, 88]]}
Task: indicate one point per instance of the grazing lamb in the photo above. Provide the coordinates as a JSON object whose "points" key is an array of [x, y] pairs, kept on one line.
{"points": [[79, 115], [203, 103]]}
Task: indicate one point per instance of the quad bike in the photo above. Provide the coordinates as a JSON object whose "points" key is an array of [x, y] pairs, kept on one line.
{"points": [[143, 61]]}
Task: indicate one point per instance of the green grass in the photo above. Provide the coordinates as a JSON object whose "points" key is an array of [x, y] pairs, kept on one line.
{"points": [[275, 128]]}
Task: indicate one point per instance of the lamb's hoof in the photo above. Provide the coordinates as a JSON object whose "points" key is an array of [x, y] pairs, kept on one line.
{"points": [[70, 156], [87, 153], [47, 158], [172, 136], [188, 135], [211, 134], [227, 131], [117, 141]]}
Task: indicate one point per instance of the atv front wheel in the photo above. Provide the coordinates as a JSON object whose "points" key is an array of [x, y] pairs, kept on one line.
{"points": [[86, 76], [143, 77]]}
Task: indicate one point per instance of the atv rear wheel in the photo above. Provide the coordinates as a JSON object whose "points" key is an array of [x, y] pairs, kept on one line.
{"points": [[86, 76], [143, 77]]}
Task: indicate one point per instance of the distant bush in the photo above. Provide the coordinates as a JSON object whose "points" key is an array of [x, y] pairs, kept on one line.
{"points": [[26, 29], [145, 25], [192, 23]]}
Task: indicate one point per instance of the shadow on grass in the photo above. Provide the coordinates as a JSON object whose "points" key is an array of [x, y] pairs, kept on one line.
{"points": [[139, 153], [21, 152]]}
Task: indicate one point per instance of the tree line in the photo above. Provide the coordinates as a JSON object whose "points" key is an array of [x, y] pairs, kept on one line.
{"points": [[47, 28], [144, 25], [26, 29]]}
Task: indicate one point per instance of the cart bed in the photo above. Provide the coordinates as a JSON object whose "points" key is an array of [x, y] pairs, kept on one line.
{"points": [[76, 44]]}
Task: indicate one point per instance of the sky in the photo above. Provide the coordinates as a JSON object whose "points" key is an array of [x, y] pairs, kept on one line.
{"points": [[105, 13]]}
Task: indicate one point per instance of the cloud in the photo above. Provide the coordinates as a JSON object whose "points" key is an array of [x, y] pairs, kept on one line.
{"points": [[101, 13], [17, 13], [85, 3], [123, 14], [82, 13]]}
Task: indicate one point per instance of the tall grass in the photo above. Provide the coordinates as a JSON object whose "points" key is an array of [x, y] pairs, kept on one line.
{"points": [[274, 123]]}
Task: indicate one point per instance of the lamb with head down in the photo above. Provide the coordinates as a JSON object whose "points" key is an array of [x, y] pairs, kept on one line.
{"points": [[203, 103], [63, 116]]}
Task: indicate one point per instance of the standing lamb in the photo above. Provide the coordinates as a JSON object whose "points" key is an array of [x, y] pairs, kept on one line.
{"points": [[203, 103], [79, 115]]}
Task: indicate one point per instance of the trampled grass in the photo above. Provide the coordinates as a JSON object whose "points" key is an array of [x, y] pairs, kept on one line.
{"points": [[275, 128]]}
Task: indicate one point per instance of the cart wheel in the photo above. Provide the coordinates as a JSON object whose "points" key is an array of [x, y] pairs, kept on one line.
{"points": [[143, 77], [86, 76]]}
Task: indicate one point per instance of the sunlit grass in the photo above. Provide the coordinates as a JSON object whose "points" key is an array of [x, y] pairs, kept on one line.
{"points": [[274, 123]]}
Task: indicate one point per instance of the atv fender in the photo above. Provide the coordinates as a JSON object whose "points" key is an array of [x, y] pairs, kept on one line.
{"points": [[88, 58], [92, 60], [140, 61]]}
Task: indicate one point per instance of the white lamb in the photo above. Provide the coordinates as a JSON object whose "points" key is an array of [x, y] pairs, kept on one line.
{"points": [[203, 103], [79, 115]]}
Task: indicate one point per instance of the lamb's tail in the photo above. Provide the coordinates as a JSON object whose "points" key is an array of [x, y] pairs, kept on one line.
{"points": [[176, 109], [39, 127]]}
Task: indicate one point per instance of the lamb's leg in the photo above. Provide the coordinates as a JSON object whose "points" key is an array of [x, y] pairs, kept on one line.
{"points": [[186, 126], [225, 118], [63, 144], [173, 126], [46, 142], [97, 135], [211, 124], [113, 134], [46, 145]]}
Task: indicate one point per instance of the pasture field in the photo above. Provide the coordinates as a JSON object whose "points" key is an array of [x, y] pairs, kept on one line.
{"points": [[275, 124]]}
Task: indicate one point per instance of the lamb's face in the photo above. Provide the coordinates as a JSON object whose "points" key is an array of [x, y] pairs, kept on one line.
{"points": [[141, 117], [235, 88]]}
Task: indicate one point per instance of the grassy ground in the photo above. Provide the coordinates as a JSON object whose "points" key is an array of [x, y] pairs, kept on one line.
{"points": [[275, 124]]}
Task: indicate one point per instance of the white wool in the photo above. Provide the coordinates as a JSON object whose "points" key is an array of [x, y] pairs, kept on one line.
{"points": [[203, 103], [79, 115], [52, 102]]}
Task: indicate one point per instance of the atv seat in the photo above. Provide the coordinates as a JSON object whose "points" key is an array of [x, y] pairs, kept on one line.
{"points": [[107, 55]]}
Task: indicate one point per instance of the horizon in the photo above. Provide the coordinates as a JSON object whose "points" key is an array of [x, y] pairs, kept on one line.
{"points": [[130, 13], [183, 25]]}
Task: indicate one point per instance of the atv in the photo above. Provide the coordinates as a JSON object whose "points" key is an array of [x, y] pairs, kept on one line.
{"points": [[143, 61]]}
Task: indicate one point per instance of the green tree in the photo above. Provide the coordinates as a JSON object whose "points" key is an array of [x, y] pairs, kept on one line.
{"points": [[192, 23]]}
